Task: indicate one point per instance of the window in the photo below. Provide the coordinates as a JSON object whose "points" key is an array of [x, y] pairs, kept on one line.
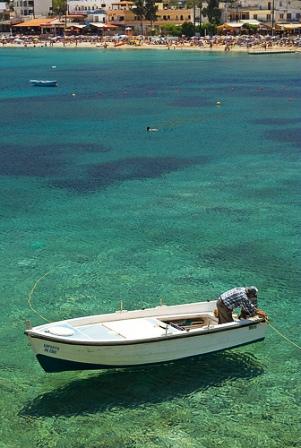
{"points": [[268, 17], [255, 17], [289, 16]]}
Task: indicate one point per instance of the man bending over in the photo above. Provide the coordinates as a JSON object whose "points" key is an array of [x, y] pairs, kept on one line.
{"points": [[245, 298]]}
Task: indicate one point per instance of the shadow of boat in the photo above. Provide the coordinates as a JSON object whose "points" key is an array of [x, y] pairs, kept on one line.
{"points": [[143, 385]]}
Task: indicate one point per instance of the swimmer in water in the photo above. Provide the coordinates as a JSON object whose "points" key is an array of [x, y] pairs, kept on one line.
{"points": [[151, 129]]}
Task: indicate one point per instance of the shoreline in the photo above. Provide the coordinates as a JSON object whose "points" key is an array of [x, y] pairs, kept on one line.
{"points": [[220, 48]]}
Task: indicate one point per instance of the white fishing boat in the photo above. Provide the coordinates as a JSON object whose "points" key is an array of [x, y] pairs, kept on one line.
{"points": [[131, 338], [43, 83], [271, 51]]}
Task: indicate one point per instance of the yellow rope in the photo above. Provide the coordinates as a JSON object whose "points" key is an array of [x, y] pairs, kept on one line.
{"points": [[44, 318], [283, 336], [29, 301]]}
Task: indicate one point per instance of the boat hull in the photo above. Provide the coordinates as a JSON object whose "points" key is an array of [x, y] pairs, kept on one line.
{"points": [[56, 356]]}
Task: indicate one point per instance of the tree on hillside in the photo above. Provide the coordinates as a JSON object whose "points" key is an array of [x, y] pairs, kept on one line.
{"points": [[59, 7], [207, 29], [140, 11], [213, 12], [145, 10], [151, 11], [170, 29], [188, 29], [200, 6]]}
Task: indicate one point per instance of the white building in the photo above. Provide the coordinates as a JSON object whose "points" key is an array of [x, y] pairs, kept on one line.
{"points": [[3, 7], [263, 10], [98, 16], [88, 6], [33, 8]]}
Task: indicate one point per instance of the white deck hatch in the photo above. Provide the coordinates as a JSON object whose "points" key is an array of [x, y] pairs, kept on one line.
{"points": [[140, 328]]}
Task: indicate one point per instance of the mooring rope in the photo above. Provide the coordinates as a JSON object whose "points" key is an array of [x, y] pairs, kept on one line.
{"points": [[282, 335], [29, 301]]}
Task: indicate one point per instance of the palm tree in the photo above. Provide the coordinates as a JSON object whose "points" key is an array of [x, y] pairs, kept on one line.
{"points": [[59, 7], [213, 12], [151, 11], [273, 16], [139, 10]]}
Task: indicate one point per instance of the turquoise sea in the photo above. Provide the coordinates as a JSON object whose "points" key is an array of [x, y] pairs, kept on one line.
{"points": [[95, 210]]}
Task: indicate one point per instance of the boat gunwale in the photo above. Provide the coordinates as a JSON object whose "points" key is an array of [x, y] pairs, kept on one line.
{"points": [[159, 313], [185, 334]]}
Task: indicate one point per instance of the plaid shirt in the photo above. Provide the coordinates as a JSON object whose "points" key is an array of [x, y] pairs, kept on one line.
{"points": [[237, 297]]}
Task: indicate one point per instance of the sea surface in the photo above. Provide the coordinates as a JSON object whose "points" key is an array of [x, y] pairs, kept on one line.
{"points": [[94, 210]]}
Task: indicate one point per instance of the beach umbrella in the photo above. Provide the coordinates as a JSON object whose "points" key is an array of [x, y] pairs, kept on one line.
{"points": [[108, 26]]}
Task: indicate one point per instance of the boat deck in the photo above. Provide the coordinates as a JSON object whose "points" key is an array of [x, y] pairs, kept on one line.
{"points": [[130, 329]]}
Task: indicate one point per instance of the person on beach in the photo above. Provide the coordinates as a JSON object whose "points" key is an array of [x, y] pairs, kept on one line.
{"points": [[243, 297]]}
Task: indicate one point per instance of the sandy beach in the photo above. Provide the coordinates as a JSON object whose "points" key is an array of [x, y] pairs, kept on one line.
{"points": [[214, 44]]}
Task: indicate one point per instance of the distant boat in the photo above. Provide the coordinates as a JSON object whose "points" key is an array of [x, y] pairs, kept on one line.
{"points": [[131, 338], [254, 52], [43, 83]]}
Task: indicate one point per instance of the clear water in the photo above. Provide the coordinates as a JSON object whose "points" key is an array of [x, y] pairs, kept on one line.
{"points": [[110, 212]]}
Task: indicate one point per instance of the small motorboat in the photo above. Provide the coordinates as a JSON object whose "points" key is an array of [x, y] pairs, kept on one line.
{"points": [[43, 83], [132, 338]]}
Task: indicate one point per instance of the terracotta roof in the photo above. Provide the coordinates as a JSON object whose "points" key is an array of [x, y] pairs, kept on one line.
{"points": [[34, 22]]}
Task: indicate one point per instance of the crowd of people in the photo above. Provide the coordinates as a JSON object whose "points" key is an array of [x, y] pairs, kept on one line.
{"points": [[218, 42]]}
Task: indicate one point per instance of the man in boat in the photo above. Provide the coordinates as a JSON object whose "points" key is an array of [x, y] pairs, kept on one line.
{"points": [[245, 298]]}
